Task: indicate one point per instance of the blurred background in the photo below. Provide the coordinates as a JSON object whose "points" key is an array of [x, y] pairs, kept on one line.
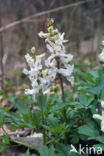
{"points": [[22, 20]]}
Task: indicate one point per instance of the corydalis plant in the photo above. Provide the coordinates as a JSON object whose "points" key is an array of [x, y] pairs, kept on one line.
{"points": [[57, 64]]}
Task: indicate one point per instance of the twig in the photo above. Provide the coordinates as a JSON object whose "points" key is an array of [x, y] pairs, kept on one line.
{"points": [[43, 13], [1, 54]]}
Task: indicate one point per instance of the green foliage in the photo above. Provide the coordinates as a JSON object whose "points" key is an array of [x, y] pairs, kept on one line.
{"points": [[85, 100], [88, 131], [79, 106], [61, 151], [4, 144]]}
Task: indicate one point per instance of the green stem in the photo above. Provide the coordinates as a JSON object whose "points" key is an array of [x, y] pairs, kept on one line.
{"points": [[54, 139], [43, 122], [64, 111], [23, 144], [63, 98]]}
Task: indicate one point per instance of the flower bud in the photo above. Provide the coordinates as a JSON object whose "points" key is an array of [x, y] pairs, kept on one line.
{"points": [[41, 34], [50, 22], [50, 29], [33, 50], [44, 72]]}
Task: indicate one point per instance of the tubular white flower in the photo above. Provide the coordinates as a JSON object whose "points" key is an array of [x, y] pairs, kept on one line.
{"points": [[49, 48], [101, 56], [71, 80], [66, 72], [41, 34], [51, 62], [101, 117], [29, 91], [103, 42], [102, 125], [65, 59], [29, 60], [60, 39], [25, 71], [102, 104], [97, 116]]}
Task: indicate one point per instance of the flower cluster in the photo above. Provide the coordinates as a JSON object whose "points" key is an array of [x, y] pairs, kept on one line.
{"points": [[101, 117], [39, 77], [58, 61], [101, 55]]}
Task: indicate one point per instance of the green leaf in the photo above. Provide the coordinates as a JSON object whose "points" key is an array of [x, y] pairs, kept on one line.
{"points": [[95, 76], [55, 130], [27, 153], [88, 131], [102, 94], [75, 139], [91, 123], [92, 90], [3, 147], [45, 151], [52, 121], [22, 106], [100, 139], [85, 100], [61, 105], [85, 76], [63, 150], [42, 101], [5, 143]]}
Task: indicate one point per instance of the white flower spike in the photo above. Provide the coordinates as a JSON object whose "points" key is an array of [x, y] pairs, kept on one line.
{"points": [[55, 41]]}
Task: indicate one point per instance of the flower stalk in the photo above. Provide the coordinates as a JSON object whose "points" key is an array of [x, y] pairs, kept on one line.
{"points": [[43, 121], [63, 98]]}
